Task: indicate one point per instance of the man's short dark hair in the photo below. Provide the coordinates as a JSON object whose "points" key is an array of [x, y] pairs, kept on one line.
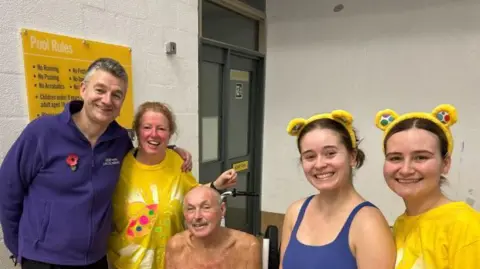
{"points": [[108, 65]]}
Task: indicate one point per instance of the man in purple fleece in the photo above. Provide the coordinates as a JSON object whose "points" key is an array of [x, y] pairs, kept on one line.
{"points": [[57, 180]]}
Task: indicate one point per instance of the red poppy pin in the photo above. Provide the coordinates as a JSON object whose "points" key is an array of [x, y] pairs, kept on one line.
{"points": [[72, 161]]}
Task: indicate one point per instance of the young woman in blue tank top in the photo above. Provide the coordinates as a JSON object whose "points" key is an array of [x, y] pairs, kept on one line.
{"points": [[336, 229]]}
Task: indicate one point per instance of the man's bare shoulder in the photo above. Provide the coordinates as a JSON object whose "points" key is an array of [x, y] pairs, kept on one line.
{"points": [[244, 240], [178, 241]]}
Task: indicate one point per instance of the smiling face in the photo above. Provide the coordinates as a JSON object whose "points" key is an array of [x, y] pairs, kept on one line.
{"points": [[103, 95], [326, 162], [414, 163], [202, 211], [153, 133]]}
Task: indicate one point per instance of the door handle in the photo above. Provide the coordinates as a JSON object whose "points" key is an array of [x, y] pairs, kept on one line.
{"points": [[235, 193], [243, 193]]}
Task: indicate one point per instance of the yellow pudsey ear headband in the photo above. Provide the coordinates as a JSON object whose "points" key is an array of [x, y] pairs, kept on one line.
{"points": [[443, 116], [296, 125]]}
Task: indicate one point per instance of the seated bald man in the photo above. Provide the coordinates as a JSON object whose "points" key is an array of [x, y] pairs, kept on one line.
{"points": [[205, 244]]}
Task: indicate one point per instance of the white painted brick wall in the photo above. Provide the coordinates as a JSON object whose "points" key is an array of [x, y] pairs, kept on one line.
{"points": [[404, 55], [144, 25]]}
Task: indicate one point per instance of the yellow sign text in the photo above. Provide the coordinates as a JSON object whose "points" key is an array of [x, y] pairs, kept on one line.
{"points": [[55, 66], [241, 166]]}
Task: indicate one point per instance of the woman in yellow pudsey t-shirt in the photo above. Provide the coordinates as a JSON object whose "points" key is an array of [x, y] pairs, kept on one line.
{"points": [[434, 232], [147, 203]]}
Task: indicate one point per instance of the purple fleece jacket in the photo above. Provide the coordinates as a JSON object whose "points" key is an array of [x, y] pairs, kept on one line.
{"points": [[49, 212]]}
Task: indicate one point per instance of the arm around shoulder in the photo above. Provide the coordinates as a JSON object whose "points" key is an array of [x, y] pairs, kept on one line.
{"points": [[379, 253], [186, 156]]}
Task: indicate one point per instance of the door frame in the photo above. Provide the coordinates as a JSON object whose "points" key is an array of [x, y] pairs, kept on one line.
{"points": [[255, 126]]}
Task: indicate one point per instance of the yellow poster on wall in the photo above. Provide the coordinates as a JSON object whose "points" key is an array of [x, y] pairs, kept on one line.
{"points": [[55, 66]]}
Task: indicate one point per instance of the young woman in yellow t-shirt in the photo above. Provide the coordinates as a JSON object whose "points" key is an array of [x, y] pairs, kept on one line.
{"points": [[147, 202], [434, 232]]}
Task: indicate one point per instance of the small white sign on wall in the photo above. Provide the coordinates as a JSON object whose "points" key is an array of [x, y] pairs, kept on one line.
{"points": [[239, 91]]}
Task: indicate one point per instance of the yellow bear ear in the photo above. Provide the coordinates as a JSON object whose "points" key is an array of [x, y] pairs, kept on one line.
{"points": [[343, 116], [385, 118], [446, 114], [294, 126]]}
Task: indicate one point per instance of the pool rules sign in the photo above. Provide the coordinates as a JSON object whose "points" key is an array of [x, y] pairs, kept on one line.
{"points": [[55, 66]]}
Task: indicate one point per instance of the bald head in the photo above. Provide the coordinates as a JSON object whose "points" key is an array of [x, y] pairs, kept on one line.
{"points": [[204, 192]]}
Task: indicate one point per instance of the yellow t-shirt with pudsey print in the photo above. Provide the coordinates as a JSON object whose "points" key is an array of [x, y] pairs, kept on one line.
{"points": [[147, 211], [446, 237]]}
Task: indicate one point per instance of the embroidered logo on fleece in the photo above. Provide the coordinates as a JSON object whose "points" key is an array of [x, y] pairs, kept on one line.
{"points": [[111, 161]]}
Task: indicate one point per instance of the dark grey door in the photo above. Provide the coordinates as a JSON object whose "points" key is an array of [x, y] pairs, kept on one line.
{"points": [[229, 85]]}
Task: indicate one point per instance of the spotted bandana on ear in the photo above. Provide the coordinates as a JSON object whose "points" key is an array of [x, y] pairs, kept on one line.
{"points": [[295, 126], [443, 116]]}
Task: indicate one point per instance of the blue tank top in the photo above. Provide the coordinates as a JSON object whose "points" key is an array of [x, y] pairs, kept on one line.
{"points": [[334, 255]]}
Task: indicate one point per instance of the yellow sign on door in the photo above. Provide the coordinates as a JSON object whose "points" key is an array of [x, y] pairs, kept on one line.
{"points": [[55, 66], [240, 166]]}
